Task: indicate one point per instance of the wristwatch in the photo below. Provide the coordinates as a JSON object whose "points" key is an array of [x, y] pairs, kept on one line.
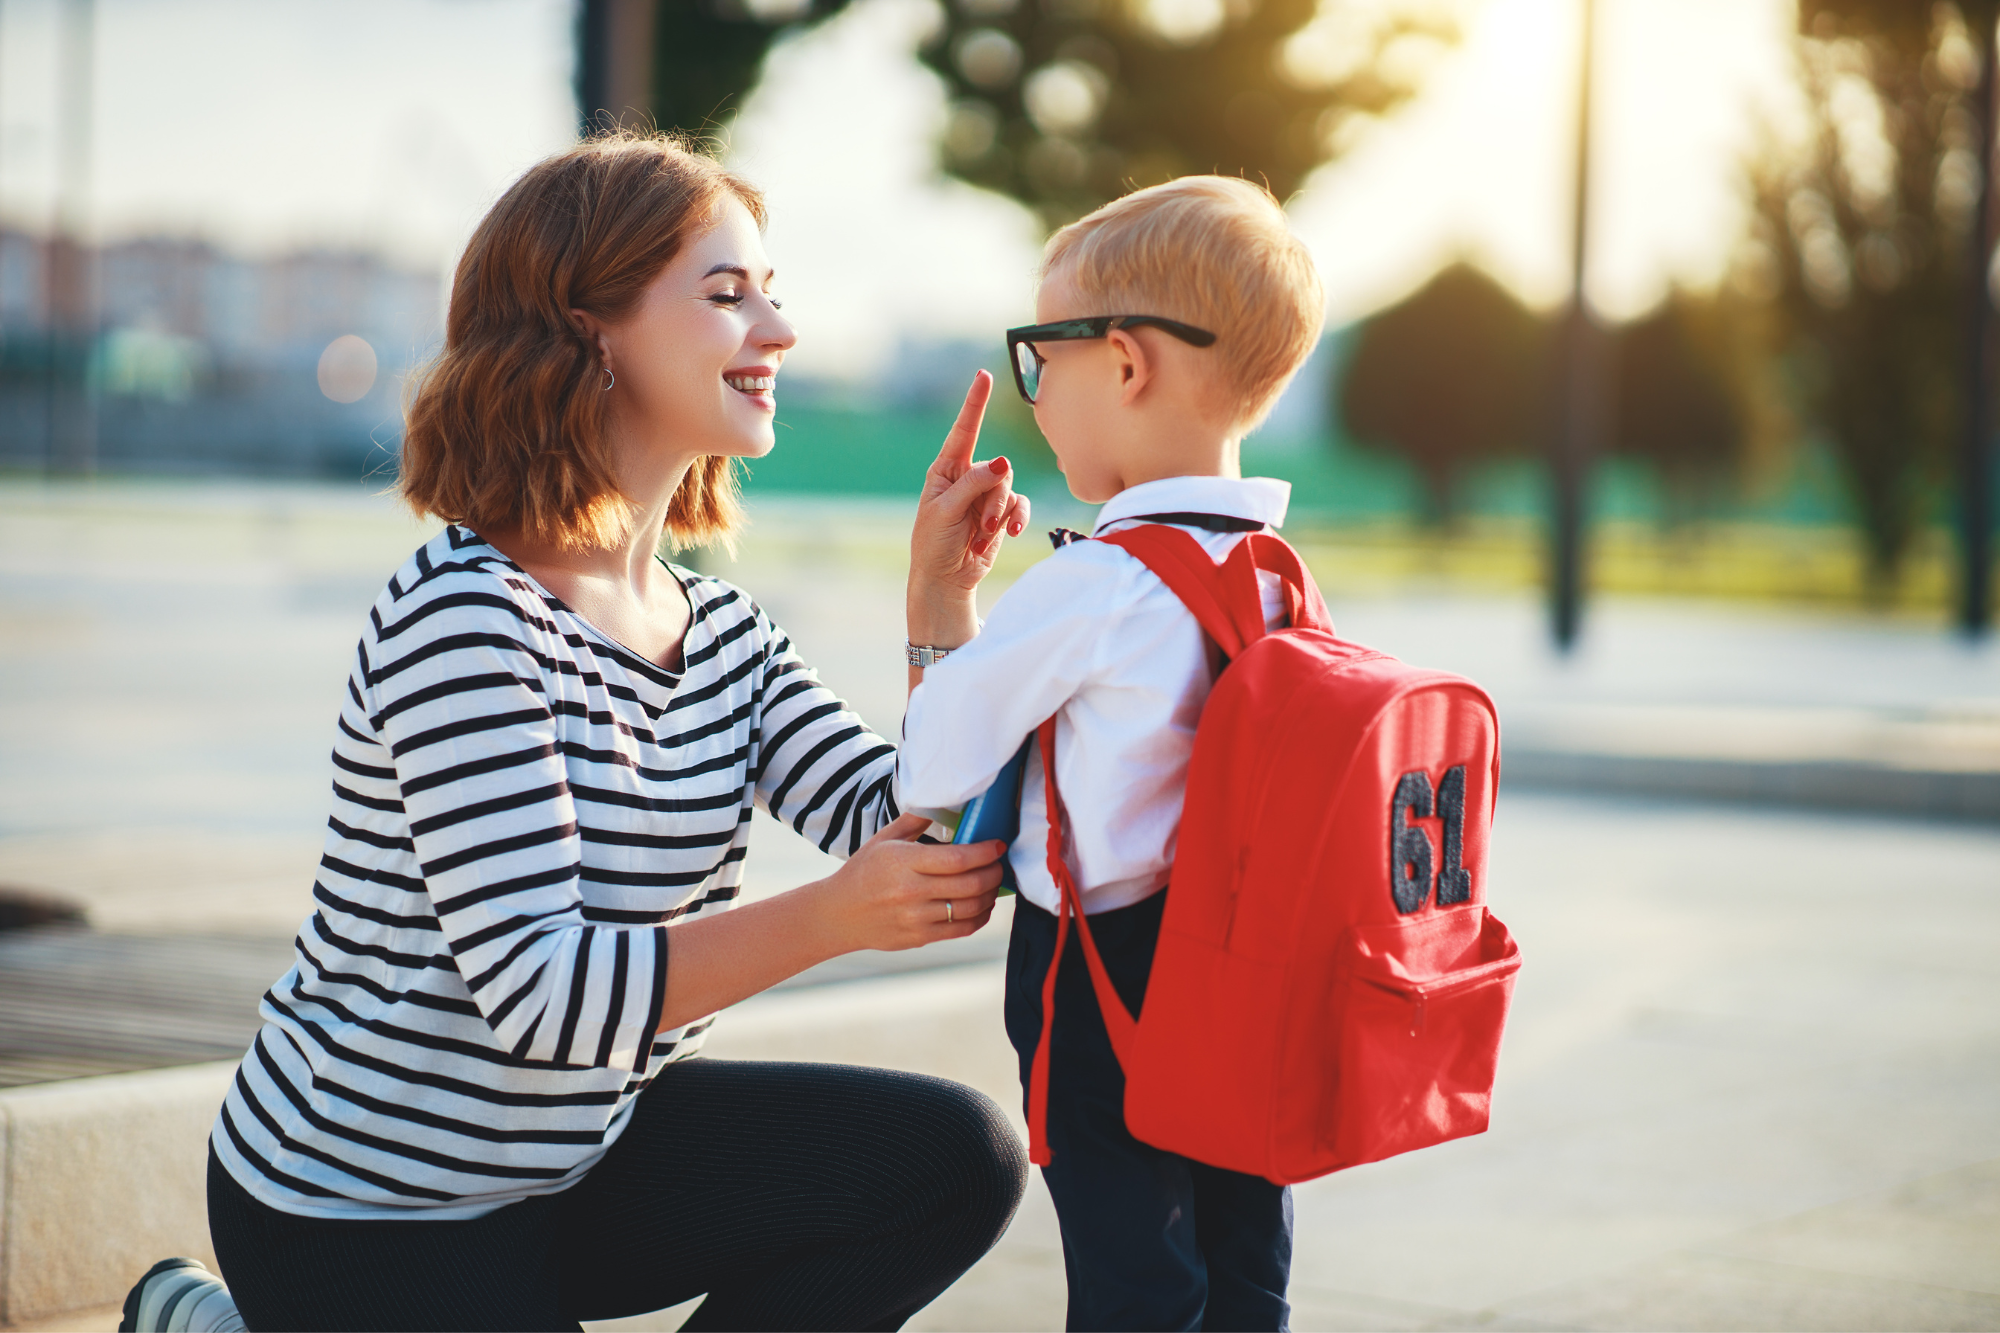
{"points": [[923, 655]]}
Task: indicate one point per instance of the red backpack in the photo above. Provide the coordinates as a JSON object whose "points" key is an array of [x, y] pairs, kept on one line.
{"points": [[1329, 987]]}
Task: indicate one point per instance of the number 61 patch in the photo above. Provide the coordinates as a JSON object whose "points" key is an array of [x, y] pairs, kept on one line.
{"points": [[1410, 844]]}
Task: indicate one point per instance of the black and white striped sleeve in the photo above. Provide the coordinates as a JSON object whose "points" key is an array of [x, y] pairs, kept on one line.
{"points": [[819, 768], [457, 693]]}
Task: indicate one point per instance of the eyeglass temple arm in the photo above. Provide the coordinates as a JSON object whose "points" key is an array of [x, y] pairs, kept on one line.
{"points": [[1187, 333]]}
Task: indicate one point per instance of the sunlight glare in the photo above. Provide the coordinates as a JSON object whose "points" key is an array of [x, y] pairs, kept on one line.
{"points": [[1482, 164], [1182, 22]]}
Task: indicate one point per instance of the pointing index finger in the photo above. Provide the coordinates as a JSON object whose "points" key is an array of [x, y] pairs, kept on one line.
{"points": [[963, 437]]}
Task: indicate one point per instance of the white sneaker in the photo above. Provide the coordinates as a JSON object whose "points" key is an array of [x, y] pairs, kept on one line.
{"points": [[180, 1296]]}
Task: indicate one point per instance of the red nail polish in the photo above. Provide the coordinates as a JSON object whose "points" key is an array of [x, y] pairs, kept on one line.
{"points": [[1000, 466]]}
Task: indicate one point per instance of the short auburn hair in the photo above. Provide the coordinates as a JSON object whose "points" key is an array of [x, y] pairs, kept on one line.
{"points": [[506, 427], [1214, 252]]}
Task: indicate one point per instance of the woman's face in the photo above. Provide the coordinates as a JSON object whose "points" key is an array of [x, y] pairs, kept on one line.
{"points": [[696, 362]]}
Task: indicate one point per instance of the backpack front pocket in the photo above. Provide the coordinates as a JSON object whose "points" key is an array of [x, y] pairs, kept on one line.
{"points": [[1421, 1005]]}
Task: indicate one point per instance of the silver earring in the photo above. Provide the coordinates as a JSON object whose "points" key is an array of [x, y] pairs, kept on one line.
{"points": [[609, 379]]}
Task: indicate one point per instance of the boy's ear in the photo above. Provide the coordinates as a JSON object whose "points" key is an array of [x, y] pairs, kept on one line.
{"points": [[1134, 368]]}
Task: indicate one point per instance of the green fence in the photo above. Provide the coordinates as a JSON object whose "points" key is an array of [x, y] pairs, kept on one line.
{"points": [[826, 450]]}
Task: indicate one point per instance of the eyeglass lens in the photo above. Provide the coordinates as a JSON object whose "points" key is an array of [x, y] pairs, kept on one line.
{"points": [[1030, 367]]}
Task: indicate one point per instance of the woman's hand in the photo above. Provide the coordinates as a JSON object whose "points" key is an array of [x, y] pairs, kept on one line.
{"points": [[967, 510], [897, 893], [891, 894]]}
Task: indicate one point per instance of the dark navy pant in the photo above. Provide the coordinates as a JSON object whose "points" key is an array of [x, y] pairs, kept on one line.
{"points": [[1151, 1240], [800, 1196]]}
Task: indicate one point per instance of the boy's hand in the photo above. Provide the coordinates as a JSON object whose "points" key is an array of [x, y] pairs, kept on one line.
{"points": [[898, 893], [966, 511]]}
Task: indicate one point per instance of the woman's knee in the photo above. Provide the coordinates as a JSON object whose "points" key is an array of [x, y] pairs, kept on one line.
{"points": [[932, 1145], [974, 1149]]}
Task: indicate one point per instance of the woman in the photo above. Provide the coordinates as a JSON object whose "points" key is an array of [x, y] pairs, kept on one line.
{"points": [[470, 1105]]}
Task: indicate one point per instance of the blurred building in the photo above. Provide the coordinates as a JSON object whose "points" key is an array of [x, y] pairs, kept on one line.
{"points": [[196, 360]]}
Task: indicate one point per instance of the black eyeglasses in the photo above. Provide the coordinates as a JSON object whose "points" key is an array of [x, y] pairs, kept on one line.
{"points": [[1028, 362]]}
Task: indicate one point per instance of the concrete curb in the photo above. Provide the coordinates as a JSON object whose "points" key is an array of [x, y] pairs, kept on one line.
{"points": [[1824, 785], [100, 1177]]}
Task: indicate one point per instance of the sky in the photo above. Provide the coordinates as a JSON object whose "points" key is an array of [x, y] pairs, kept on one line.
{"points": [[392, 124], [263, 124], [1483, 163]]}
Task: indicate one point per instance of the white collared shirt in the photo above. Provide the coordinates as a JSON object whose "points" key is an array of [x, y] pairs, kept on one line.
{"points": [[1091, 636]]}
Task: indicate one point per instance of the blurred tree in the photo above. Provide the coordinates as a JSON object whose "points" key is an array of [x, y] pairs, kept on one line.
{"points": [[1065, 104], [1453, 375], [1863, 240], [1061, 104], [1676, 405], [705, 56]]}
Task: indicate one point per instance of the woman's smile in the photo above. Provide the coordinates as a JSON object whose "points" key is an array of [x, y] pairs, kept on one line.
{"points": [[757, 383]]}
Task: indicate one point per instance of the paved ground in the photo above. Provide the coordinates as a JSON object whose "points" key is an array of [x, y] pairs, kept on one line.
{"points": [[171, 656], [1750, 1083], [1753, 1079]]}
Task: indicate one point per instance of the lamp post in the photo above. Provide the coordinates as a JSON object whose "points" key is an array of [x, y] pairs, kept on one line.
{"points": [[1975, 453], [1580, 405]]}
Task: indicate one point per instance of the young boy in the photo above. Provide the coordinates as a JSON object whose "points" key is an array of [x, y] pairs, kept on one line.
{"points": [[1218, 305]]}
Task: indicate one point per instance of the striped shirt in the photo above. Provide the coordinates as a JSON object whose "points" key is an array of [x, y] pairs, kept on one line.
{"points": [[520, 806]]}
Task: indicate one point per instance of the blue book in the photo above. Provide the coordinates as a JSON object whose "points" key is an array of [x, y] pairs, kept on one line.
{"points": [[996, 812]]}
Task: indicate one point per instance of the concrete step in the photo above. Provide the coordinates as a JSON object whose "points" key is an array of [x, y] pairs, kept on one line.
{"points": [[1938, 762], [105, 1175]]}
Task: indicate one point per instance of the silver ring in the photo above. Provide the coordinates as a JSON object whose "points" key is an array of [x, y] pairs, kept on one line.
{"points": [[609, 379], [947, 911]]}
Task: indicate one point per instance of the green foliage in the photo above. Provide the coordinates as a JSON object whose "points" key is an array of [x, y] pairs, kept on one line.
{"points": [[1861, 243], [1453, 376], [1676, 407], [1901, 21], [707, 55], [1066, 104], [1457, 376]]}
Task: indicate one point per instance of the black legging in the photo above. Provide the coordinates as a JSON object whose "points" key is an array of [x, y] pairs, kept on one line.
{"points": [[797, 1196]]}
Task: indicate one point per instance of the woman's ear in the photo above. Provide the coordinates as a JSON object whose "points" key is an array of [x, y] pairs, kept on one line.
{"points": [[591, 327], [1135, 369]]}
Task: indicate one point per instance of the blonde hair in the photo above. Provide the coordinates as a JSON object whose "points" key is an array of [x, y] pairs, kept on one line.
{"points": [[1210, 251], [507, 426]]}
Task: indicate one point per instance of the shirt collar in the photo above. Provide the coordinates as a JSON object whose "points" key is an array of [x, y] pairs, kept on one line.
{"points": [[1260, 499]]}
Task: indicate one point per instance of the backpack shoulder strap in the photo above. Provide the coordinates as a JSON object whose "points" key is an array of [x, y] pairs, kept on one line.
{"points": [[1224, 598], [1119, 1024], [1226, 605], [1273, 554]]}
